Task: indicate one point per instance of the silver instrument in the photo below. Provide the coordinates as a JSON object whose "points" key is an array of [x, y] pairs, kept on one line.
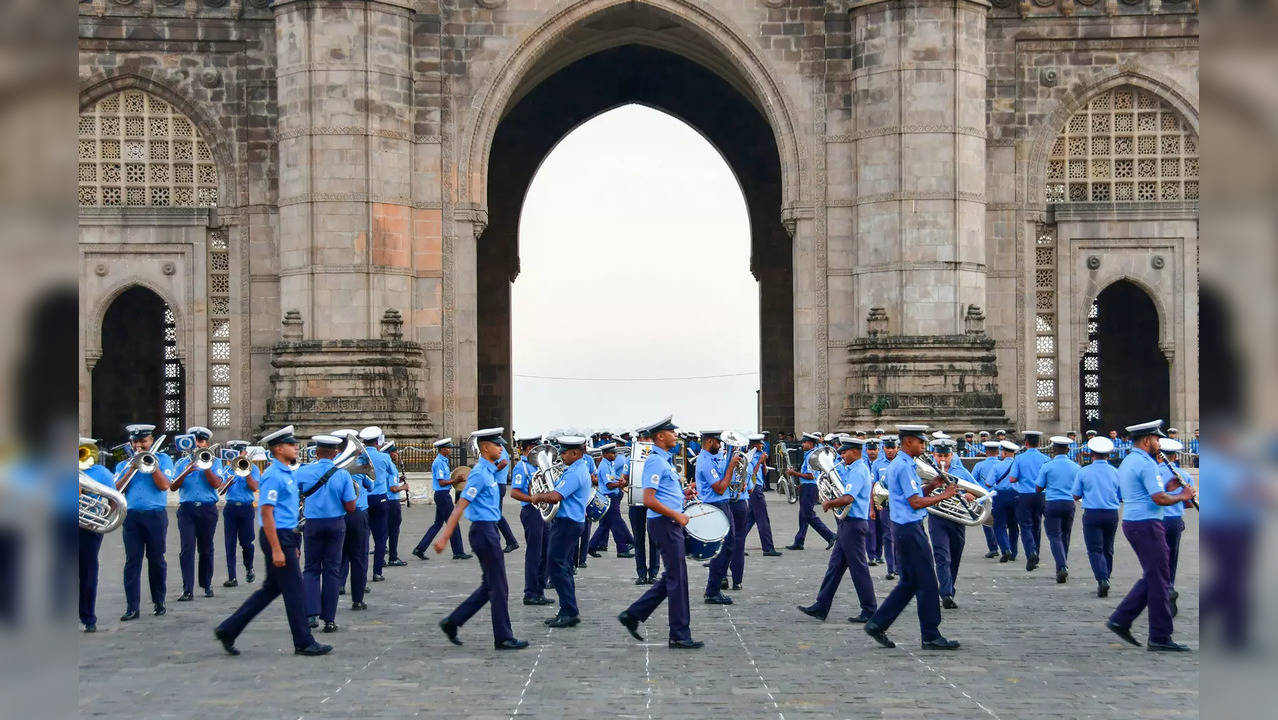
{"points": [[102, 507], [549, 468], [242, 467], [638, 456], [822, 461], [957, 508], [736, 444], [144, 462], [344, 460]]}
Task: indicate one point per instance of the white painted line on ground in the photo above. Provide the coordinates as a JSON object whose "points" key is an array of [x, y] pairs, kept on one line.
{"points": [[750, 656]]}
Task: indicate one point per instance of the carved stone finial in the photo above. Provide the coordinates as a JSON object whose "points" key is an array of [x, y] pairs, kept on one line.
{"points": [[392, 325], [877, 322], [974, 320], [293, 325]]}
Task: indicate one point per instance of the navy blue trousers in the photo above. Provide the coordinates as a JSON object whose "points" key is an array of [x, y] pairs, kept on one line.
{"points": [[647, 556], [197, 526], [1228, 592], [672, 587], [394, 519], [739, 515], [377, 525], [90, 544], [564, 537], [611, 522], [1173, 527], [719, 565], [808, 515], [848, 556], [237, 527], [948, 540], [759, 516], [322, 573], [492, 588], [583, 542], [1153, 589], [534, 551], [144, 532], [355, 553], [1006, 530], [502, 525], [887, 538], [1058, 520], [918, 581], [1029, 515], [443, 508], [1099, 529], [991, 544], [285, 581]]}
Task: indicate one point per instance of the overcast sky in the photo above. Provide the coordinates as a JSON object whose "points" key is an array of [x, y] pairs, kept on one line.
{"points": [[635, 217]]}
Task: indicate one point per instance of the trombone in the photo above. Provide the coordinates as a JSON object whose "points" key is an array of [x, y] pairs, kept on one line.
{"points": [[241, 467], [145, 462]]}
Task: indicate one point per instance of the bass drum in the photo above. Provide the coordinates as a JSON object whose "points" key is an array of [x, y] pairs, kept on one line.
{"points": [[597, 505], [706, 529]]}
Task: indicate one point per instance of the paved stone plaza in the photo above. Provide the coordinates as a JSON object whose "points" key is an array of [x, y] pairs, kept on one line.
{"points": [[1031, 648]]}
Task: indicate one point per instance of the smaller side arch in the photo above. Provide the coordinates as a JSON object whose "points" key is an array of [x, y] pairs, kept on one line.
{"points": [[1094, 290], [100, 305]]}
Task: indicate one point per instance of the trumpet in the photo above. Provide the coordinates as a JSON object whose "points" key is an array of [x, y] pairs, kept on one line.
{"points": [[88, 455], [102, 507], [145, 462]]}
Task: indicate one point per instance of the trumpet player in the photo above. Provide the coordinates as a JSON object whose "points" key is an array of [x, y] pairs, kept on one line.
{"points": [[948, 537], [756, 492], [89, 545], [237, 513], [534, 526], [196, 485], [849, 550], [147, 521]]}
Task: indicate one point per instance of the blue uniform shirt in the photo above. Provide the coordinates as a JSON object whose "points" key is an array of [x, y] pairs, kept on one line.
{"points": [[327, 502], [239, 491], [756, 470], [856, 483], [710, 469], [1001, 475], [482, 493], [985, 471], [659, 475], [574, 486], [903, 482], [439, 472], [1097, 485], [878, 469], [279, 490], [196, 488], [806, 469], [1165, 472], [1025, 469], [365, 487], [521, 477], [100, 474], [608, 473], [958, 470], [142, 494], [1138, 480], [503, 475], [383, 468], [1057, 478]]}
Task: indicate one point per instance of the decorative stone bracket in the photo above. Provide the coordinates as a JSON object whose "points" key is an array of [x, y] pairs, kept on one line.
{"points": [[974, 321]]}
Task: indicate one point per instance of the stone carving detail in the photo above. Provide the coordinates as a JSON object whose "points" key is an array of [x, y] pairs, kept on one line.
{"points": [[210, 79], [1049, 77], [392, 325], [101, 270], [168, 268], [1158, 262], [1093, 262], [293, 327], [974, 321], [876, 322]]}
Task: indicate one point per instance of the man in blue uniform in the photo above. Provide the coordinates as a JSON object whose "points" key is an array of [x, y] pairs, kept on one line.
{"points": [[887, 537], [849, 551], [441, 475], [1173, 515], [872, 548], [808, 498], [1029, 501], [397, 494], [647, 558], [909, 500], [146, 522], [714, 472], [480, 502], [610, 485], [328, 494], [1097, 486], [1006, 530], [238, 514], [534, 527], [664, 496], [277, 517], [983, 472], [572, 491], [89, 545], [197, 514], [756, 493], [948, 537], [1144, 497], [1056, 482], [378, 515], [355, 544], [503, 480], [583, 540]]}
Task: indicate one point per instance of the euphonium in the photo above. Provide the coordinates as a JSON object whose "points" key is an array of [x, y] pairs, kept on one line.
{"points": [[879, 495], [102, 507], [549, 468], [956, 508], [737, 443], [823, 462]]}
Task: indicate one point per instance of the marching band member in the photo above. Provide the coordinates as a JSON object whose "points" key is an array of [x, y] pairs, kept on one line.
{"points": [[647, 558], [808, 497], [610, 485], [238, 514], [948, 537], [277, 517], [378, 518], [714, 472], [480, 501], [441, 478], [89, 545], [1029, 502], [197, 515], [572, 492], [872, 549], [503, 480], [983, 471], [355, 544], [1097, 486], [329, 496], [1173, 515], [1144, 497], [756, 491], [145, 524], [583, 541], [1056, 481], [664, 496], [849, 553], [398, 493], [909, 504], [886, 529], [1006, 530], [534, 527]]}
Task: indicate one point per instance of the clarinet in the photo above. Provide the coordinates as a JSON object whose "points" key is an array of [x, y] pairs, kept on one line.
{"points": [[1175, 479]]}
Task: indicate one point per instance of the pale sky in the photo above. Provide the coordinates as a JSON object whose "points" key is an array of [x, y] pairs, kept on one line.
{"points": [[634, 214]]}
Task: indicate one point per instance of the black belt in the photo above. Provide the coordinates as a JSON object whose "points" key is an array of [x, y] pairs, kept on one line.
{"points": [[238, 504]]}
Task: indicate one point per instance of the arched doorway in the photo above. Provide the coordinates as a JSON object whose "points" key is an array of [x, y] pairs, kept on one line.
{"points": [[557, 97], [139, 377], [1124, 374]]}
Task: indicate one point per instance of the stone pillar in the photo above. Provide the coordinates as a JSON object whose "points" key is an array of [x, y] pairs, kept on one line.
{"points": [[919, 102]]}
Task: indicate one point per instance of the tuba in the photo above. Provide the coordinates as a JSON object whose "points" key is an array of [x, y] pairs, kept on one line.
{"points": [[736, 444], [102, 507], [957, 508], [823, 460], [549, 468]]}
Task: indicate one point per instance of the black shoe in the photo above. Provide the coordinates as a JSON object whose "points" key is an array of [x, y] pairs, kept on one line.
{"points": [[723, 584], [512, 643], [631, 624], [1005, 557], [641, 580], [948, 603], [510, 548], [231, 583], [130, 615], [208, 592], [991, 554], [312, 622], [736, 586], [1168, 646], [686, 644], [396, 563], [313, 649], [871, 562], [859, 619], [462, 556], [594, 553], [341, 591], [538, 601], [419, 554], [159, 610], [1031, 562], [1174, 608], [1122, 632], [581, 564], [359, 606], [879, 635], [745, 554], [829, 543], [719, 599], [1062, 575], [563, 621], [625, 554], [249, 576], [890, 576], [228, 642], [811, 612], [940, 644], [705, 564], [450, 630], [1102, 588], [186, 597], [793, 547], [330, 626], [771, 553], [90, 628], [379, 578]]}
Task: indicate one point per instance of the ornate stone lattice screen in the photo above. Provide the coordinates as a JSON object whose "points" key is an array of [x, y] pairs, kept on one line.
{"points": [[1127, 145], [174, 376], [136, 150], [1045, 391]]}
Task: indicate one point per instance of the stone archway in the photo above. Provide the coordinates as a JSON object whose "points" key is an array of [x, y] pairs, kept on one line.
{"points": [[1129, 376], [130, 379]]}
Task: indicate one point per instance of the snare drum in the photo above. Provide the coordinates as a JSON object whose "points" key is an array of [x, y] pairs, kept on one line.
{"points": [[707, 527], [597, 505]]}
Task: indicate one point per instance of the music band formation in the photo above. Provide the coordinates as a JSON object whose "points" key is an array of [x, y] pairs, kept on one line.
{"points": [[687, 496]]}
